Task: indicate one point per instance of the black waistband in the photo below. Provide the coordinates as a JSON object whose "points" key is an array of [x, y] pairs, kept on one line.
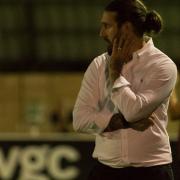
{"points": [[134, 167]]}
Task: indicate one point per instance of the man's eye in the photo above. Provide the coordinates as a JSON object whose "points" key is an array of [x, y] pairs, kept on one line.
{"points": [[107, 26]]}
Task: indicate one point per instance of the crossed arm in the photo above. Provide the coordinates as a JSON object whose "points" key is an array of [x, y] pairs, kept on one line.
{"points": [[118, 121], [136, 107]]}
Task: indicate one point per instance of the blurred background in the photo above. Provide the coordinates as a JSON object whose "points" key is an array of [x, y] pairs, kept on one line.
{"points": [[45, 48]]}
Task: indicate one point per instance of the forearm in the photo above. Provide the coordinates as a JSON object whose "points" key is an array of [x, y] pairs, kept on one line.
{"points": [[137, 96], [118, 122], [115, 68], [88, 120], [137, 105]]}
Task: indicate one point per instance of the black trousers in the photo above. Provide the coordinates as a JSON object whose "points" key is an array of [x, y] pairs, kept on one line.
{"points": [[103, 172]]}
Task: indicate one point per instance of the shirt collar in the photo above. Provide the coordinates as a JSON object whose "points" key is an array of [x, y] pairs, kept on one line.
{"points": [[149, 43]]}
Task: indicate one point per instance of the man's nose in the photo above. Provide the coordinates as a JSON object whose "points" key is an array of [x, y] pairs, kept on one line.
{"points": [[102, 33]]}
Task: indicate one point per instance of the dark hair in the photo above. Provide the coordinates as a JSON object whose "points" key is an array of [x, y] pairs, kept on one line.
{"points": [[134, 11]]}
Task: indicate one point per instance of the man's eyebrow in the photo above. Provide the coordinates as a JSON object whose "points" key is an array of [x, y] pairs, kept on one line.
{"points": [[104, 23]]}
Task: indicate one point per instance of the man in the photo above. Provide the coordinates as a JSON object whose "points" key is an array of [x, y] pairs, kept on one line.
{"points": [[124, 97]]}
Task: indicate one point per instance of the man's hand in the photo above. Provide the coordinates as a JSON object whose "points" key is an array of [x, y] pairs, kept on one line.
{"points": [[118, 122], [142, 125], [122, 50], [116, 63]]}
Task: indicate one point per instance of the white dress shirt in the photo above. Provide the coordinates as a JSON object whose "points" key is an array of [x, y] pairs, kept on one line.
{"points": [[142, 90]]}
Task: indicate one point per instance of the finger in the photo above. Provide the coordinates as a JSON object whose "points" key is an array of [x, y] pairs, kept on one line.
{"points": [[115, 45], [128, 47], [121, 42], [142, 125]]}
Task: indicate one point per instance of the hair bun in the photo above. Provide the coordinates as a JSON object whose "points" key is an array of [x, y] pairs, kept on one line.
{"points": [[153, 23]]}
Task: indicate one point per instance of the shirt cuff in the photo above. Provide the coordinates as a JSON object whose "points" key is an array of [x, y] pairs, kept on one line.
{"points": [[120, 82], [103, 119]]}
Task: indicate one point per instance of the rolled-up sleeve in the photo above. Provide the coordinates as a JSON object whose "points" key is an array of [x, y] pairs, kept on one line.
{"points": [[140, 104], [87, 116]]}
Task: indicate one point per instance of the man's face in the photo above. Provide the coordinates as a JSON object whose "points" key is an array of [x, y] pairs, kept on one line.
{"points": [[109, 28]]}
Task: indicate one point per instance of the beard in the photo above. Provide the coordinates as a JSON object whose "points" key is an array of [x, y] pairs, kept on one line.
{"points": [[109, 49], [109, 46]]}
